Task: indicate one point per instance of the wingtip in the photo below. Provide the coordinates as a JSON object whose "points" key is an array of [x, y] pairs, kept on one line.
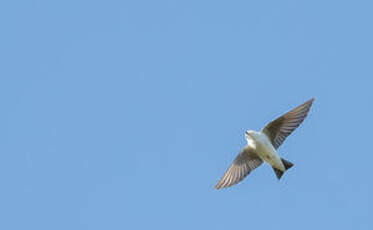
{"points": [[311, 100], [308, 103], [216, 187]]}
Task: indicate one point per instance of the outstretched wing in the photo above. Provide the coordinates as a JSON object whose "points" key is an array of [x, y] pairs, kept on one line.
{"points": [[245, 162], [277, 130]]}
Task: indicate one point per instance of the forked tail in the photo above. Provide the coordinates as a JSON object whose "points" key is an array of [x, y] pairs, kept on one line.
{"points": [[287, 165]]}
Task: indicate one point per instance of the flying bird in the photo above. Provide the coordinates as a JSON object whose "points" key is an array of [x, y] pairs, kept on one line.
{"points": [[262, 146]]}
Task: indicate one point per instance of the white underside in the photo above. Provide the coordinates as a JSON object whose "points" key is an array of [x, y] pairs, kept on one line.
{"points": [[265, 150]]}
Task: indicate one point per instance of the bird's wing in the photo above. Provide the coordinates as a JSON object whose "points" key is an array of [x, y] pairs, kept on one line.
{"points": [[245, 162], [277, 130]]}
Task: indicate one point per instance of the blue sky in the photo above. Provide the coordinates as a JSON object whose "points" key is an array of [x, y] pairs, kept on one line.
{"points": [[124, 114]]}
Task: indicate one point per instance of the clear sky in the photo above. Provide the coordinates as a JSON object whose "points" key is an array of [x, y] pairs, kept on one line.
{"points": [[124, 114]]}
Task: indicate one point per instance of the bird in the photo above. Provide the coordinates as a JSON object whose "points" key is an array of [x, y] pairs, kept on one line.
{"points": [[262, 147]]}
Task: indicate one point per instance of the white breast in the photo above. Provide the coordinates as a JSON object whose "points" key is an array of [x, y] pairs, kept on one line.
{"points": [[266, 151]]}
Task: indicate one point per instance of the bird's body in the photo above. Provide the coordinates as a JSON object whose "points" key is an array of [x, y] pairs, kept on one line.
{"points": [[262, 147]]}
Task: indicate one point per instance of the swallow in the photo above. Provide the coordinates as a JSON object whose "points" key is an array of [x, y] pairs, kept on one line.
{"points": [[262, 147]]}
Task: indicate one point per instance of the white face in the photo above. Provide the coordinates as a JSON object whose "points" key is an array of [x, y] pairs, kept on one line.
{"points": [[249, 134]]}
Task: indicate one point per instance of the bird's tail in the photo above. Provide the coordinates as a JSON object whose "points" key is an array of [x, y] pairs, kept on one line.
{"points": [[287, 165]]}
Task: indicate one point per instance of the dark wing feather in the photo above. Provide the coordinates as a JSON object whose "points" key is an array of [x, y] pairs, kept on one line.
{"points": [[277, 130], [245, 162]]}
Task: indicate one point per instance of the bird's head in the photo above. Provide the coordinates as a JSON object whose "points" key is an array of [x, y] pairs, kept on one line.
{"points": [[249, 134], [250, 137]]}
